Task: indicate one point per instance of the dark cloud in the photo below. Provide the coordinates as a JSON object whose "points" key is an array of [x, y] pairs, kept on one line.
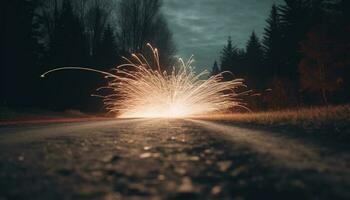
{"points": [[201, 27]]}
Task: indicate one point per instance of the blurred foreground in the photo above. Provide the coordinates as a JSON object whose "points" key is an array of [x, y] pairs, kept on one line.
{"points": [[166, 159]]}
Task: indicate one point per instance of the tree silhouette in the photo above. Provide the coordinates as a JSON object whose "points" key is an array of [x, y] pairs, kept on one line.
{"points": [[140, 22], [272, 45], [227, 55], [254, 58], [294, 24], [163, 40], [215, 70], [18, 53], [67, 46], [97, 19], [107, 52]]}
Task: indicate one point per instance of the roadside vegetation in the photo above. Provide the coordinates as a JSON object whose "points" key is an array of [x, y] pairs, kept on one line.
{"points": [[331, 120]]}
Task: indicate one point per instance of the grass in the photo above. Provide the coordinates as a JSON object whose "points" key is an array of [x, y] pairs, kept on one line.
{"points": [[332, 119], [326, 126]]}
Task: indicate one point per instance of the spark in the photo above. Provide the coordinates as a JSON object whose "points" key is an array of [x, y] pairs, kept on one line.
{"points": [[142, 90]]}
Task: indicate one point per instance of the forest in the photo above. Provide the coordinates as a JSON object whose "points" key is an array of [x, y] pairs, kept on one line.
{"points": [[301, 59], [39, 35]]}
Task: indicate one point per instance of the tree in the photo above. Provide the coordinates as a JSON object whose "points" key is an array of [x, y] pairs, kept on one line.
{"points": [[164, 42], [107, 52], [254, 58], [96, 21], [232, 60], [295, 21], [215, 70], [67, 45], [227, 54], [254, 52], [272, 45], [48, 15], [18, 52], [318, 68], [140, 22]]}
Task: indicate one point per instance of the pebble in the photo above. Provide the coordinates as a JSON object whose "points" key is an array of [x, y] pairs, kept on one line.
{"points": [[180, 171], [147, 148], [69, 152], [156, 155], [145, 155], [224, 165], [170, 185], [186, 185], [161, 177], [215, 190], [194, 158]]}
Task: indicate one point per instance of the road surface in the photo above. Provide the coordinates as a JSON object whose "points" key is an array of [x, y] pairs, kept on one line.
{"points": [[165, 159]]}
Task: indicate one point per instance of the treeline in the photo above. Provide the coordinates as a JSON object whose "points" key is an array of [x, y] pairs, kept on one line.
{"points": [[303, 57], [39, 35]]}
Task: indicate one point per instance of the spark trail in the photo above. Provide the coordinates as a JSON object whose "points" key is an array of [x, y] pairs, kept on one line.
{"points": [[144, 90]]}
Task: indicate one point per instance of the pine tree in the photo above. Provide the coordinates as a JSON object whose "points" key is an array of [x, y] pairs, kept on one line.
{"points": [[254, 56], [254, 50], [215, 70], [272, 44], [227, 55], [295, 21]]}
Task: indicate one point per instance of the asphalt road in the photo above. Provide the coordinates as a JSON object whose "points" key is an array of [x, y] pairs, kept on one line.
{"points": [[165, 159]]}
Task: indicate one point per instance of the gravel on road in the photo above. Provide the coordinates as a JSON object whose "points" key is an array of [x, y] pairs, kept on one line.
{"points": [[164, 159]]}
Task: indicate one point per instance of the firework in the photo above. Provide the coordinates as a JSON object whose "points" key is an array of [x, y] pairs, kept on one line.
{"points": [[143, 90]]}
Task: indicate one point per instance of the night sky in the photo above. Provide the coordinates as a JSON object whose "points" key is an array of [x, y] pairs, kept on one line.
{"points": [[201, 27]]}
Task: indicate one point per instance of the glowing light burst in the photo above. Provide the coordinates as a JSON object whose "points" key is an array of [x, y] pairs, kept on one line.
{"points": [[142, 90]]}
